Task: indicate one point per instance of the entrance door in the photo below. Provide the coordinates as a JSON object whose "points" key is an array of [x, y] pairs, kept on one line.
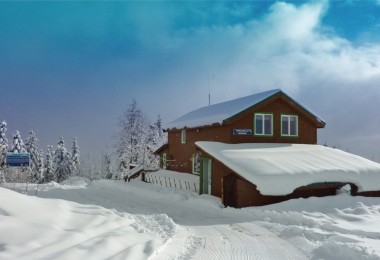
{"points": [[206, 170], [164, 161]]}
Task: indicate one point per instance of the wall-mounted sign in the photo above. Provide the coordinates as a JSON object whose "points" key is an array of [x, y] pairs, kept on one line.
{"points": [[18, 159], [242, 131]]}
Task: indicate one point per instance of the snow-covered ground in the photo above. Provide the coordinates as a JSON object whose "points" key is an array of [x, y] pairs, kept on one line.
{"points": [[136, 220]]}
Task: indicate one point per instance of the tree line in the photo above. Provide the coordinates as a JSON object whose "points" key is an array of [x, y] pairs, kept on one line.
{"points": [[134, 144], [57, 165]]}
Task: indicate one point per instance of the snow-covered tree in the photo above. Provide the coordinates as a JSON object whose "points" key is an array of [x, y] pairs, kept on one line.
{"points": [[3, 143], [31, 145], [63, 166], [75, 155], [49, 169], [18, 145], [130, 143], [158, 125], [107, 166], [150, 159], [154, 139]]}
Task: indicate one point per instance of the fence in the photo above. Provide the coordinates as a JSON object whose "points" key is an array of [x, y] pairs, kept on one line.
{"points": [[171, 182]]}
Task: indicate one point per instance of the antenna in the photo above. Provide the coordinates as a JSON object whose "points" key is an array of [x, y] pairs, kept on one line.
{"points": [[209, 89]]}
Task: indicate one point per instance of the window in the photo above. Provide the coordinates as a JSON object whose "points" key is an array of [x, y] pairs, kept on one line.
{"points": [[183, 136], [195, 163], [289, 125], [264, 124]]}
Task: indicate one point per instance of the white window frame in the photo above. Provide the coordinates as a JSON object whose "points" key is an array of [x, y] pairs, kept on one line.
{"points": [[195, 163], [263, 126], [288, 122], [183, 136]]}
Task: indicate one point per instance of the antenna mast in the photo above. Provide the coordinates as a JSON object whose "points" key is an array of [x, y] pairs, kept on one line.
{"points": [[209, 94]]}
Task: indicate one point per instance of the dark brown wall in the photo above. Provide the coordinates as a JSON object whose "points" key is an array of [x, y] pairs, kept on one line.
{"points": [[182, 153], [248, 195], [219, 171], [307, 129]]}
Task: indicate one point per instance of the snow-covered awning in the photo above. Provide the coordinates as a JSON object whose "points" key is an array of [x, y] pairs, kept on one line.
{"points": [[278, 169]]}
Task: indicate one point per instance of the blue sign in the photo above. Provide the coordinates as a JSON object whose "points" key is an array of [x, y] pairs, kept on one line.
{"points": [[242, 131], [18, 159]]}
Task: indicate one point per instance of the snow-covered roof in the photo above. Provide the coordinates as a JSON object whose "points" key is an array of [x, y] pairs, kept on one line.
{"points": [[278, 169], [222, 111]]}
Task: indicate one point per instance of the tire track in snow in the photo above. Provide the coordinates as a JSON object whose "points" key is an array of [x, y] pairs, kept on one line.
{"points": [[182, 246], [243, 241]]}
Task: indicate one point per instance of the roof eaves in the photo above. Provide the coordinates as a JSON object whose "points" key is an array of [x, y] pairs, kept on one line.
{"points": [[306, 109]]}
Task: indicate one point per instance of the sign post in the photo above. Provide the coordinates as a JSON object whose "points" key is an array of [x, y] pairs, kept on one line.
{"points": [[18, 159]]}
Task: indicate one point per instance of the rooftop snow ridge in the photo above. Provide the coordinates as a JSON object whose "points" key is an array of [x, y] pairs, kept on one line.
{"points": [[220, 112]]}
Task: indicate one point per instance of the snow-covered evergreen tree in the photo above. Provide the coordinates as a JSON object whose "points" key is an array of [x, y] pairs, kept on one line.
{"points": [[3, 143], [154, 139], [75, 155], [150, 159], [107, 166], [158, 125], [18, 145], [162, 138], [130, 143], [63, 166], [49, 168], [31, 145]]}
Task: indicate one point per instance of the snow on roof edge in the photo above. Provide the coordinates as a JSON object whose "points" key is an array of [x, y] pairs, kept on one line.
{"points": [[278, 169], [208, 115]]}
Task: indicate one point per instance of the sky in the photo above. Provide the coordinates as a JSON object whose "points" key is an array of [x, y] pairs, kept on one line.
{"points": [[70, 69]]}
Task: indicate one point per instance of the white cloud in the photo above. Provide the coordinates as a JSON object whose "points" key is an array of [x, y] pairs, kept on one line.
{"points": [[288, 48]]}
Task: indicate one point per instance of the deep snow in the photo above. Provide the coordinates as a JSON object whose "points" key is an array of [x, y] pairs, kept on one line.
{"points": [[136, 220]]}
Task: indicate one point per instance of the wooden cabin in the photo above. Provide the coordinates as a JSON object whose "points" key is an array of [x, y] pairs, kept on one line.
{"points": [[268, 117]]}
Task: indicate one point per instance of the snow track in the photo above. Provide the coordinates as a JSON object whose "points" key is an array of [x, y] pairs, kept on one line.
{"points": [[199, 230], [234, 241]]}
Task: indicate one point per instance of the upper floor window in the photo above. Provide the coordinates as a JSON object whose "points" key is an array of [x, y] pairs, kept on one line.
{"points": [[183, 136], [289, 125], [264, 124]]}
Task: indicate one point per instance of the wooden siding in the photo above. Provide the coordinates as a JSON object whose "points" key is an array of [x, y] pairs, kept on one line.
{"points": [[179, 154], [307, 128]]}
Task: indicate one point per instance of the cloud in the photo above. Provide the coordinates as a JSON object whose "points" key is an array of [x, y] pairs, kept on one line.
{"points": [[290, 48]]}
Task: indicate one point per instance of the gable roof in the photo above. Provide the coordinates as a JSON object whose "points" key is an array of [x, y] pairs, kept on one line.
{"points": [[278, 169], [220, 112]]}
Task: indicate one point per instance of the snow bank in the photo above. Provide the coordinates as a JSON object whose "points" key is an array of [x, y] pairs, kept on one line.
{"points": [[34, 228], [340, 227], [278, 169], [185, 224]]}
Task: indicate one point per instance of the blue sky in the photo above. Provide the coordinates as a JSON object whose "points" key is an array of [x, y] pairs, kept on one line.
{"points": [[71, 68]]}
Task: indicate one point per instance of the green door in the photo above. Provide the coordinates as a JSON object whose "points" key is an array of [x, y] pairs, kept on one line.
{"points": [[206, 176], [164, 161]]}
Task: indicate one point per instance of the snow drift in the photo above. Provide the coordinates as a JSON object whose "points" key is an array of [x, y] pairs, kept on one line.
{"points": [[35, 228]]}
